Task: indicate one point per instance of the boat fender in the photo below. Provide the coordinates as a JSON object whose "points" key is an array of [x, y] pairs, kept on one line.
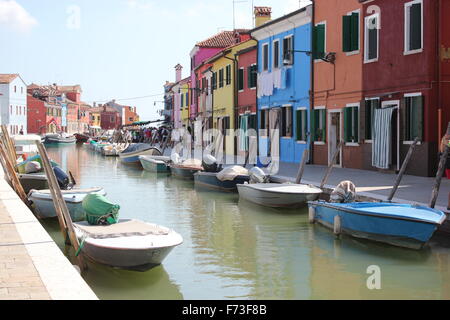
{"points": [[312, 215], [337, 225]]}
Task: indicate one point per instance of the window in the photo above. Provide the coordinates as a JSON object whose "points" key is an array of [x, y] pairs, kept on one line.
{"points": [[182, 101], [221, 78], [228, 75], [319, 41], [214, 81], [15, 89], [10, 109], [276, 54], [319, 125], [413, 118], [302, 129], [187, 99], [21, 89], [241, 79], [286, 122], [371, 39], [252, 76], [265, 57], [350, 32], [351, 124], [112, 118], [413, 26], [288, 54], [264, 121], [371, 105]]}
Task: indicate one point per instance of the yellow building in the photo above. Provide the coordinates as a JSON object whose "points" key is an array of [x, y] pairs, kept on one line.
{"points": [[224, 85], [185, 102], [94, 114]]}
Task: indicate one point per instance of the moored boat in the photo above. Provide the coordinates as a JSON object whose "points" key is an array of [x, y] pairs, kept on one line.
{"points": [[37, 181], [131, 154], [59, 139], [277, 195], [401, 225], [81, 138], [184, 171], [44, 206], [225, 180], [154, 165], [128, 244]]}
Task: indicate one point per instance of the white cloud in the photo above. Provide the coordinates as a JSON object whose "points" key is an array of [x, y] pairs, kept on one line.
{"points": [[292, 5], [14, 16], [140, 4]]}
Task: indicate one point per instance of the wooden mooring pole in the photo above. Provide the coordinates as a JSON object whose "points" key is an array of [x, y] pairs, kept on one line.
{"points": [[403, 169], [301, 169], [439, 175], [65, 221], [331, 165]]}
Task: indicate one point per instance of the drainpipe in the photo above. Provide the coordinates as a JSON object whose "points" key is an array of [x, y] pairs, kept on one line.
{"points": [[438, 11], [312, 95]]}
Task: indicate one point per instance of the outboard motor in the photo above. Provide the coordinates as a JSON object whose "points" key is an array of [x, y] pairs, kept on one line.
{"points": [[210, 164], [257, 175], [62, 178], [345, 192]]}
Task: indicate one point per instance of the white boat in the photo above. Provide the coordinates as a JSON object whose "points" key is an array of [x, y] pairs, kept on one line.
{"points": [[277, 195], [129, 244], [26, 144], [44, 207], [132, 152]]}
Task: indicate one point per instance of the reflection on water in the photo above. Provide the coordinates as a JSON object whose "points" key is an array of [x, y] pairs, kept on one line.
{"points": [[237, 250]]}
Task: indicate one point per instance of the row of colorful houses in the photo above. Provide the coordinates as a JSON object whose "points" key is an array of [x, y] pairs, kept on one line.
{"points": [[44, 109], [373, 74]]}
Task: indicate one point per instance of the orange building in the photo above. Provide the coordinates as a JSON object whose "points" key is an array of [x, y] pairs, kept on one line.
{"points": [[129, 115], [338, 87]]}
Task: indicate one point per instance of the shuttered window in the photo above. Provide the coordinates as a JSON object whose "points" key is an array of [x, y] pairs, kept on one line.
{"points": [[265, 57], [288, 54], [187, 99], [252, 76], [214, 81], [264, 121], [350, 32], [286, 122], [221, 78], [351, 124], [371, 38], [228, 75], [371, 105], [319, 124], [276, 54], [301, 125], [413, 25], [413, 118], [319, 41], [241, 79], [182, 101]]}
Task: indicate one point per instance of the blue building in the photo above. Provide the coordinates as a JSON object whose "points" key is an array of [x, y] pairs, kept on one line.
{"points": [[62, 102], [284, 84]]}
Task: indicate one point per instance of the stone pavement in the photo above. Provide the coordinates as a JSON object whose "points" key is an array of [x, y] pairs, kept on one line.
{"points": [[372, 184], [31, 264]]}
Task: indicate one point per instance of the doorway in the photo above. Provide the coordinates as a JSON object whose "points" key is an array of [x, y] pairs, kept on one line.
{"points": [[394, 133], [335, 136]]}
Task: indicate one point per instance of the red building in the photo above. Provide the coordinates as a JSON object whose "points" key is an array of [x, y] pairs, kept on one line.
{"points": [[53, 118], [406, 73], [110, 118], [36, 115]]}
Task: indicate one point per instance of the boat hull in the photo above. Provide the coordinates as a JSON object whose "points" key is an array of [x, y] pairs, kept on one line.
{"points": [[51, 140], [136, 253], [81, 138], [206, 180], [183, 172], [133, 157], [398, 232], [33, 181], [45, 208], [154, 166], [268, 198]]}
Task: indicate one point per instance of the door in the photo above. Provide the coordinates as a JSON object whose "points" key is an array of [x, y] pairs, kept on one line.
{"points": [[334, 136]]}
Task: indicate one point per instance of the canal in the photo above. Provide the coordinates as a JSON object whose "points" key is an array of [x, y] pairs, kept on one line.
{"points": [[236, 250]]}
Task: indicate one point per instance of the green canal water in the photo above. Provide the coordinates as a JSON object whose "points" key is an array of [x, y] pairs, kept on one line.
{"points": [[236, 250]]}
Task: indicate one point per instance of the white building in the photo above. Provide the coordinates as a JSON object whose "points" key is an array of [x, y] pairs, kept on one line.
{"points": [[13, 103]]}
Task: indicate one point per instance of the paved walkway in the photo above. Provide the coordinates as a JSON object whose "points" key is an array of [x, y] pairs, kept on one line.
{"points": [[372, 184], [31, 264]]}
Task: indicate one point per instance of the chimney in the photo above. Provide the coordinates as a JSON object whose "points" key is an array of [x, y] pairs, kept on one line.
{"points": [[262, 15], [178, 72]]}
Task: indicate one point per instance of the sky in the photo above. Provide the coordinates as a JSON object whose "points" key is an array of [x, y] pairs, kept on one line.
{"points": [[115, 49]]}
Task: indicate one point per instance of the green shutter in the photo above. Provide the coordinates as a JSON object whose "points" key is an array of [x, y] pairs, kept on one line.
{"points": [[354, 41], [346, 33], [324, 122], [319, 41], [419, 117], [356, 124], [313, 125], [346, 125], [415, 27]]}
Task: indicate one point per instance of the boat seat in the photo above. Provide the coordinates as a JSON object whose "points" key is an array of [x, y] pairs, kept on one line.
{"points": [[129, 228]]}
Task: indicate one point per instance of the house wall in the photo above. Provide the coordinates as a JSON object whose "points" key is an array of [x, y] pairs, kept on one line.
{"points": [[296, 93], [396, 74], [36, 115], [247, 98], [16, 117], [338, 84]]}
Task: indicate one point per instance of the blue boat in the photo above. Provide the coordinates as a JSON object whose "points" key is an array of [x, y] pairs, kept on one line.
{"points": [[131, 154], [402, 225]]}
